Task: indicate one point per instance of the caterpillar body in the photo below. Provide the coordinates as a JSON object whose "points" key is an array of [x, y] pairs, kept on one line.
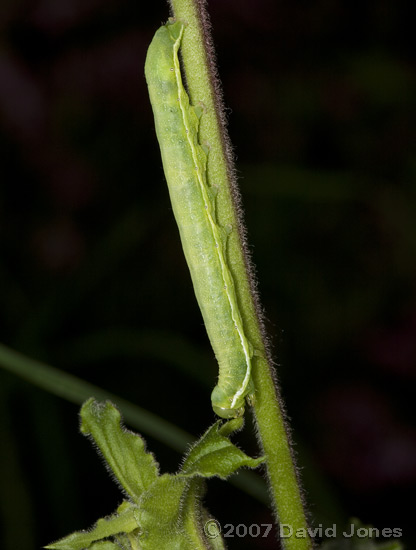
{"points": [[193, 202]]}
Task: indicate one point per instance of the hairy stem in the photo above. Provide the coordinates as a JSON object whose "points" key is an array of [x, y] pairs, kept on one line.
{"points": [[203, 87]]}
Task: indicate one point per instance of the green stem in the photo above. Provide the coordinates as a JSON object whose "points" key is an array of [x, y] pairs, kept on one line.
{"points": [[76, 390], [203, 87]]}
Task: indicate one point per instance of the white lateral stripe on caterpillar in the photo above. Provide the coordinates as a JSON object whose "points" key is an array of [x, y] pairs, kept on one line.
{"points": [[203, 240], [235, 314]]}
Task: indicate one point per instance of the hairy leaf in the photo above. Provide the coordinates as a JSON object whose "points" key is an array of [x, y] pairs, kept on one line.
{"points": [[124, 451]]}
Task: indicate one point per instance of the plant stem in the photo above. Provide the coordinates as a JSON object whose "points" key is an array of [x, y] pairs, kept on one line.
{"points": [[75, 390], [203, 87]]}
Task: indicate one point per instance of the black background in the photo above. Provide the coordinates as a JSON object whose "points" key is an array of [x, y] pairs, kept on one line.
{"points": [[92, 277]]}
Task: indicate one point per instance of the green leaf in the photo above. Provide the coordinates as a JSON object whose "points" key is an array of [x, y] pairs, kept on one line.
{"points": [[215, 542], [77, 391], [104, 545], [195, 518], [215, 455], [167, 510], [159, 515], [124, 521], [231, 426], [169, 515], [124, 451]]}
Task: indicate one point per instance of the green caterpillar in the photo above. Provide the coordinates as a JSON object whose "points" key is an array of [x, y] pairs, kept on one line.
{"points": [[193, 202]]}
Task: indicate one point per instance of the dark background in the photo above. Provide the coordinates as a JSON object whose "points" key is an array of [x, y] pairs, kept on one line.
{"points": [[92, 278]]}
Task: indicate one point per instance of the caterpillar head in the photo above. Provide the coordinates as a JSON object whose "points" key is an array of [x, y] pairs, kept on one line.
{"points": [[226, 406]]}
